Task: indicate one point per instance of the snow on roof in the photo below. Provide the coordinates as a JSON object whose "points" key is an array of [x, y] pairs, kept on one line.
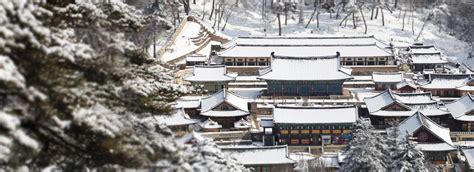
{"points": [[413, 102], [460, 108], [427, 49], [265, 122], [305, 51], [446, 81], [259, 155], [176, 119], [210, 74], [426, 54], [209, 123], [190, 136], [405, 82], [196, 58], [435, 147], [469, 154], [242, 123], [209, 103], [308, 68], [305, 40], [381, 77], [418, 120], [314, 115], [183, 103], [428, 59]]}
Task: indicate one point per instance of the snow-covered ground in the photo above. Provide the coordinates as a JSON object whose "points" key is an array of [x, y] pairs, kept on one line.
{"points": [[247, 20]]}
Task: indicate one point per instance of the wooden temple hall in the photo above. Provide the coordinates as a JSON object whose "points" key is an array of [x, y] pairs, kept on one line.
{"points": [[305, 76], [355, 51], [313, 125]]}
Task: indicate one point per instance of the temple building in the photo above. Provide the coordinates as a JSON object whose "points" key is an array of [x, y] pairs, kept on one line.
{"points": [[261, 158], [385, 81], [462, 111], [426, 58], [449, 85], [407, 86], [358, 50], [304, 76], [178, 121], [309, 125], [433, 139], [225, 108], [388, 107], [211, 78]]}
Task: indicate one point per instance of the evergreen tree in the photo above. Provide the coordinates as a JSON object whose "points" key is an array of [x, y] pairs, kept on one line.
{"points": [[77, 90], [409, 158], [365, 151]]}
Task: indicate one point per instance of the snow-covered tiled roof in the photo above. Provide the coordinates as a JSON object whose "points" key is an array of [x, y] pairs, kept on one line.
{"points": [[216, 99], [305, 40], [196, 58], [469, 154], [314, 115], [426, 55], [382, 77], [242, 123], [447, 81], [417, 121], [209, 123], [413, 102], [461, 107], [435, 147], [405, 82], [210, 74], [185, 103], [259, 155], [176, 119], [423, 49], [304, 51], [307, 68]]}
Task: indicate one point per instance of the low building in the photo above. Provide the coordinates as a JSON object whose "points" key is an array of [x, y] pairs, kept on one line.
{"points": [[426, 58], [462, 111], [262, 158], [195, 60], [210, 78], [304, 76], [190, 105], [305, 125], [433, 139], [225, 108], [388, 107], [449, 85], [179, 121], [210, 126], [385, 81]]}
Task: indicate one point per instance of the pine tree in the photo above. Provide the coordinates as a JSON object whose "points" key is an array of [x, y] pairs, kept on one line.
{"points": [[77, 89], [365, 149], [409, 158]]}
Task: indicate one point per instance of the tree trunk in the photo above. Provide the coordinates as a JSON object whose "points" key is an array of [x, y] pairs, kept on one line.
{"points": [[227, 19], [279, 24], [212, 9], [301, 17], [220, 19], [354, 20], [311, 18], [376, 12], [286, 18], [344, 19], [383, 17], [194, 1], [404, 15], [373, 9], [363, 19], [396, 4]]}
